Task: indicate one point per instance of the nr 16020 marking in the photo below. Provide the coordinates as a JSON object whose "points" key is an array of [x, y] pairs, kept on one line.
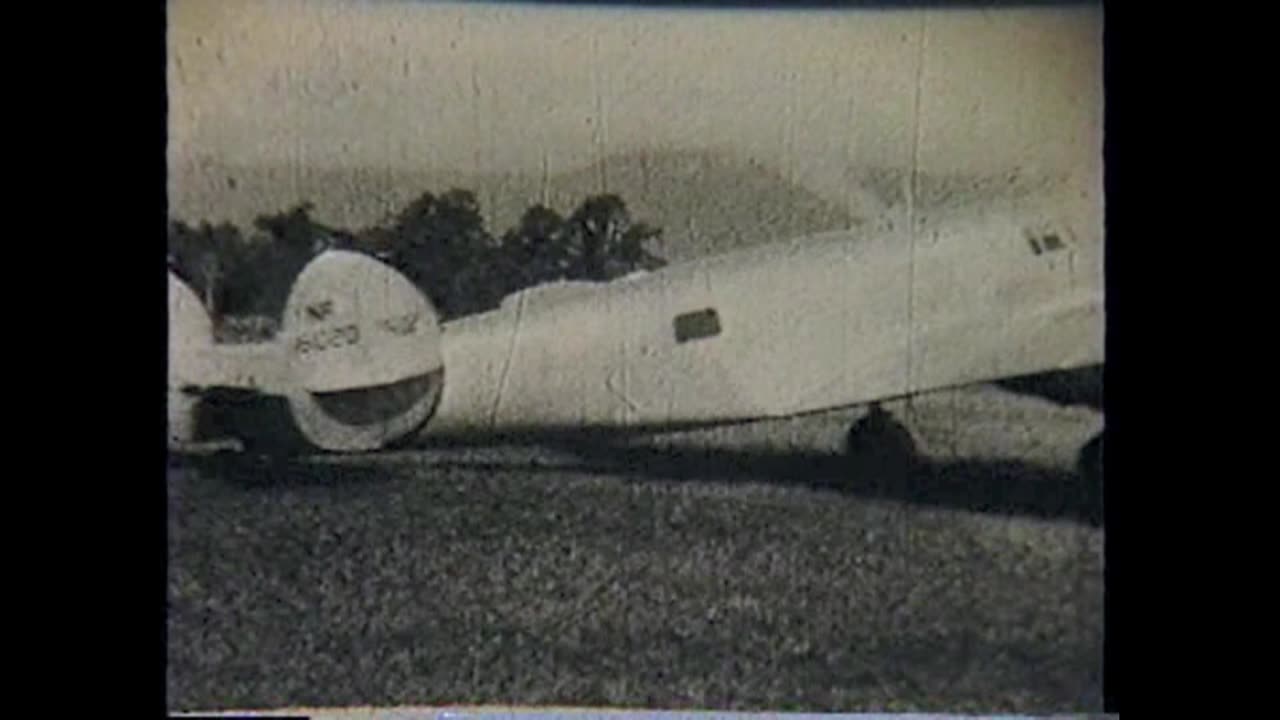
{"points": [[400, 324], [327, 339]]}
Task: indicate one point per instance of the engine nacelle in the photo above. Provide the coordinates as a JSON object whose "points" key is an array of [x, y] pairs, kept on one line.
{"points": [[358, 360], [363, 352], [190, 339]]}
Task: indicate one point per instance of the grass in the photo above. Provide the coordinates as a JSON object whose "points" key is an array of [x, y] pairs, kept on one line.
{"points": [[418, 579]]}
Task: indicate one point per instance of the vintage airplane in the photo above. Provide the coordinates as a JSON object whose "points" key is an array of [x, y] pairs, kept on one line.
{"points": [[832, 320]]}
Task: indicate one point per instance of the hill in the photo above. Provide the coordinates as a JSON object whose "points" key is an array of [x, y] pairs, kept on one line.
{"points": [[706, 201]]}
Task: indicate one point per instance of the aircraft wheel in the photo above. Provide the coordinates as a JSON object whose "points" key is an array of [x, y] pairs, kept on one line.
{"points": [[1089, 461], [879, 449]]}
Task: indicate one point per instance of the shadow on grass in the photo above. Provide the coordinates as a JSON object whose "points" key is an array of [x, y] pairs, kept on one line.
{"points": [[260, 472], [1005, 487], [1001, 487]]}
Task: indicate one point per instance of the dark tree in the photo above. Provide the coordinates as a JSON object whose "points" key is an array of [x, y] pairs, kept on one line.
{"points": [[295, 231], [631, 254], [207, 257], [285, 243], [438, 241], [442, 245], [537, 250], [606, 243]]}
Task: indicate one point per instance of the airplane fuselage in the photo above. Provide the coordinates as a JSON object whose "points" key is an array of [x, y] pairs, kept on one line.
{"points": [[794, 327], [818, 322]]}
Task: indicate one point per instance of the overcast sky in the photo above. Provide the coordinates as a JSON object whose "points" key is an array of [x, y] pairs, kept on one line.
{"points": [[480, 87]]}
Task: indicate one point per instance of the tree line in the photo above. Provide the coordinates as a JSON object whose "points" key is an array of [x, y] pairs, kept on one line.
{"points": [[440, 242]]}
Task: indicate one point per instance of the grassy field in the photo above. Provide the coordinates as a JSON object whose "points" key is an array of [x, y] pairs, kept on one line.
{"points": [[721, 576]]}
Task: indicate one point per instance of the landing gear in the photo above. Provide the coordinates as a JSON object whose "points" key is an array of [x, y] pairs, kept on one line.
{"points": [[879, 449], [1089, 461]]}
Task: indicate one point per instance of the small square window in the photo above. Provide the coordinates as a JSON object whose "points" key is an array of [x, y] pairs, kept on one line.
{"points": [[697, 325]]}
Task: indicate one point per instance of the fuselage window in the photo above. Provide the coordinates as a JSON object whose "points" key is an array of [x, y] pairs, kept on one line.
{"points": [[697, 325], [1046, 243]]}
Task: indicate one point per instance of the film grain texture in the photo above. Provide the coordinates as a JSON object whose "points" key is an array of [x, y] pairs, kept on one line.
{"points": [[881, 499]]}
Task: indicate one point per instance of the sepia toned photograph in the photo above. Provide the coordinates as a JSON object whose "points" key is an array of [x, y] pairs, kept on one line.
{"points": [[722, 357]]}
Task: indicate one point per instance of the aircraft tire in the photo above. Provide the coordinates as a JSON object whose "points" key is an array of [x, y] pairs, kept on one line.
{"points": [[1089, 461], [879, 450]]}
